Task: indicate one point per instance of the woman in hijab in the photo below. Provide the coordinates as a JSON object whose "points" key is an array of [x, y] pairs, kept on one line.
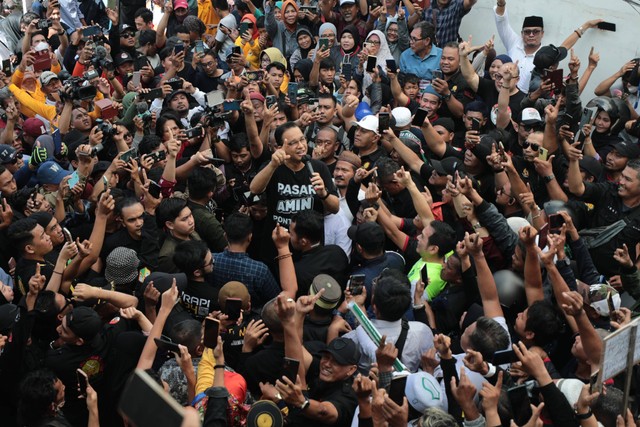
{"points": [[397, 35], [302, 70], [350, 45], [375, 45], [270, 55], [249, 42], [10, 35], [305, 46], [329, 31], [282, 33]]}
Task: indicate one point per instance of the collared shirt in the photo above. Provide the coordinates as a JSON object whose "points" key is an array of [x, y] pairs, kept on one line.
{"points": [[515, 49], [446, 20], [421, 67], [254, 274]]}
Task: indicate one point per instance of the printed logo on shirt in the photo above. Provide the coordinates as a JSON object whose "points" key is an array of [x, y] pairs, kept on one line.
{"points": [[287, 205]]}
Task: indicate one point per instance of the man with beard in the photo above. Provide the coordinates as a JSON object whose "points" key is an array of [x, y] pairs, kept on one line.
{"points": [[345, 169], [349, 14], [327, 146], [618, 158]]}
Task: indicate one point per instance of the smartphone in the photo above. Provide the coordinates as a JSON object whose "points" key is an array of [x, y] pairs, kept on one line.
{"points": [[356, 283], [555, 223], [290, 369], [154, 189], [543, 153], [396, 389], [271, 100], [83, 381], [42, 61], [231, 105], [145, 403], [177, 48], [199, 46], [292, 92], [520, 404], [391, 64], [607, 26], [6, 67], [153, 94], [215, 97], [195, 132], [419, 117], [233, 308], [93, 30], [211, 331], [501, 151], [44, 24], [74, 180], [424, 276], [136, 79], [175, 83], [167, 345], [372, 62], [67, 235], [141, 61], [128, 155], [12, 263], [504, 357], [383, 122], [347, 71], [254, 76], [475, 124], [556, 78], [158, 155], [323, 43], [236, 50], [243, 28], [612, 307], [437, 74], [313, 9]]}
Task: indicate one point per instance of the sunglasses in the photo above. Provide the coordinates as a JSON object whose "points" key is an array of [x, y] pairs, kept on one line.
{"points": [[531, 32], [14, 160], [534, 146]]}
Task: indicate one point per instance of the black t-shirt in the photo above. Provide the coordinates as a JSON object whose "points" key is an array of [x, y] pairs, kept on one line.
{"points": [[200, 299], [25, 269], [487, 91], [290, 192], [339, 393]]}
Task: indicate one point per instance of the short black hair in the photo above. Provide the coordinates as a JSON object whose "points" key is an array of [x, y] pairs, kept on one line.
{"points": [[188, 333], [123, 203], [488, 337], [220, 4], [238, 227], [147, 37], [309, 225], [427, 30], [168, 210], [165, 117], [189, 256], [281, 130], [545, 321], [201, 181], [145, 14], [37, 393], [238, 141], [393, 291], [19, 233], [182, 29], [608, 406], [444, 237], [327, 64], [277, 65], [149, 143], [387, 168], [326, 95]]}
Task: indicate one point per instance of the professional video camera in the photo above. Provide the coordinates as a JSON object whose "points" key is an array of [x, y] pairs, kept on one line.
{"points": [[77, 89]]}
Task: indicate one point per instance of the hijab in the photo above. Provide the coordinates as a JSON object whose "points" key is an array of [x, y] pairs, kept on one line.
{"points": [[10, 34], [384, 52], [351, 29], [284, 8], [304, 30], [335, 51], [304, 66], [275, 55], [252, 19]]}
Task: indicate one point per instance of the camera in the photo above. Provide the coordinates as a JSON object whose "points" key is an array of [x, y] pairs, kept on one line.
{"points": [[107, 129], [175, 83], [77, 89], [43, 24]]}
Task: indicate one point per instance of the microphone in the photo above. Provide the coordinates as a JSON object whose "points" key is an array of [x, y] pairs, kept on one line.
{"points": [[101, 52], [306, 159], [142, 107]]}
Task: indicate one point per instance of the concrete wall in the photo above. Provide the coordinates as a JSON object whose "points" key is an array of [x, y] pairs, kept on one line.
{"points": [[560, 19]]}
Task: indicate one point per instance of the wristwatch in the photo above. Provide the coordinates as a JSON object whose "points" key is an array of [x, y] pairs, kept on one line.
{"points": [[305, 404], [549, 178], [446, 97]]}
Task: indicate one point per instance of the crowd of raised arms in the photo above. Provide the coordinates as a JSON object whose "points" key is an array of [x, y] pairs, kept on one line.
{"points": [[334, 213]]}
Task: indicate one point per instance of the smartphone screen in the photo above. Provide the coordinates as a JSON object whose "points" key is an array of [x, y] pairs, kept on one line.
{"points": [[437, 74], [136, 79], [419, 117], [323, 43], [347, 71], [83, 381], [290, 369], [128, 155], [233, 307], [292, 92], [555, 223], [154, 189], [396, 389], [356, 283], [424, 276], [211, 331], [153, 94], [74, 180], [475, 124], [145, 403], [383, 122], [520, 404], [372, 61], [231, 105], [391, 64], [215, 97]]}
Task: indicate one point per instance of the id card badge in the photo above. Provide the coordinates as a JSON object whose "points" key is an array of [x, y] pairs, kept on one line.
{"points": [[143, 274]]}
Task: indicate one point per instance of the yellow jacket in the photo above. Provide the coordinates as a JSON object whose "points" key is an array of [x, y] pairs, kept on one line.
{"points": [[208, 15], [29, 106], [38, 94]]}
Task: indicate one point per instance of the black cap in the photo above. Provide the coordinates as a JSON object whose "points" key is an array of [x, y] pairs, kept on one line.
{"points": [[122, 58], [549, 55], [344, 351], [591, 166], [445, 122], [483, 148], [627, 149], [7, 154], [84, 322], [369, 235], [533, 21], [447, 166]]}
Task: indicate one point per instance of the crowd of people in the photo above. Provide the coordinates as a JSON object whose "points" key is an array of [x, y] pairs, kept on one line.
{"points": [[322, 213]]}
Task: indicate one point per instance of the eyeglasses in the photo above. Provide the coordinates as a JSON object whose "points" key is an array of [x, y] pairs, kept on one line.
{"points": [[302, 140], [69, 302], [14, 160], [534, 146], [208, 64], [127, 35], [413, 39], [391, 30], [529, 128], [534, 32], [373, 42], [127, 135], [210, 263]]}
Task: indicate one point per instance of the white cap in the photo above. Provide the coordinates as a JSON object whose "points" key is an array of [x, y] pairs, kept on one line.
{"points": [[369, 122], [530, 116], [402, 116], [347, 1]]}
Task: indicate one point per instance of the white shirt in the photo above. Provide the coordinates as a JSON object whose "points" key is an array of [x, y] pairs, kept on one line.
{"points": [[515, 49], [335, 231]]}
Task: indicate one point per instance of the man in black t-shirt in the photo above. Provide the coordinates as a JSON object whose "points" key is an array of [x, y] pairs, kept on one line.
{"points": [[200, 297]]}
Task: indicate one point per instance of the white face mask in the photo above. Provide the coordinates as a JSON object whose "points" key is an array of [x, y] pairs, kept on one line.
{"points": [[633, 89]]}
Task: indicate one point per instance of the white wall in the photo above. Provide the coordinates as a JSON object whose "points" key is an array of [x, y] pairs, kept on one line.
{"points": [[561, 18]]}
